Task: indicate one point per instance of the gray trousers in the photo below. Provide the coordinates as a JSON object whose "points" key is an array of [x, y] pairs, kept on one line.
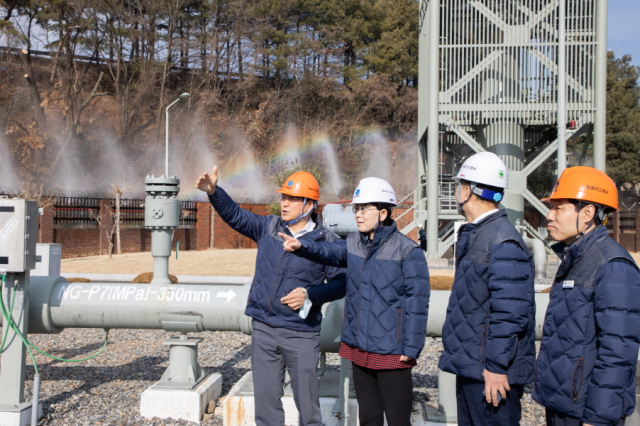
{"points": [[272, 350]]}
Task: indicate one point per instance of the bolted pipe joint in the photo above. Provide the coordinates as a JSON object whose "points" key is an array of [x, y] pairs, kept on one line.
{"points": [[161, 215]]}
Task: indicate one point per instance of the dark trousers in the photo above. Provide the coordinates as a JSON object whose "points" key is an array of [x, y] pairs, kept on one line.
{"points": [[555, 418], [272, 350], [383, 393], [473, 409]]}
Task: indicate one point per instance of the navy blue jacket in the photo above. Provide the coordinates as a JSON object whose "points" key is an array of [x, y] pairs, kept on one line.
{"points": [[490, 321], [387, 290], [587, 361], [277, 271]]}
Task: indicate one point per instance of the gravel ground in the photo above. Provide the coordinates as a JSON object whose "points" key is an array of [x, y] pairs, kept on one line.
{"points": [[107, 389]]}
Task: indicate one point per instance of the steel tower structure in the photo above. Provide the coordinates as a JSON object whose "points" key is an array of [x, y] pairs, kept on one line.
{"points": [[491, 78]]}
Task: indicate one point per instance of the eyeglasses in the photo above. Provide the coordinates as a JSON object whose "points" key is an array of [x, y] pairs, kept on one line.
{"points": [[363, 209], [290, 198]]}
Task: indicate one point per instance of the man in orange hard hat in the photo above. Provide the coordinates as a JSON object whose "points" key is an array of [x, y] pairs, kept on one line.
{"points": [[282, 338], [585, 373]]}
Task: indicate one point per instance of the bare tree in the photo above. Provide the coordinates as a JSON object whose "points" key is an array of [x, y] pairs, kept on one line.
{"points": [[119, 189], [35, 192], [108, 228]]}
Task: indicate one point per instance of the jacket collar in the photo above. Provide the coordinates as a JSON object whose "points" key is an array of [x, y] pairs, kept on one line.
{"points": [[316, 233], [568, 253], [492, 217], [382, 234]]}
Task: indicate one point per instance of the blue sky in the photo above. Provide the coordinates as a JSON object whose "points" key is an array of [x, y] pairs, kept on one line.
{"points": [[624, 28]]}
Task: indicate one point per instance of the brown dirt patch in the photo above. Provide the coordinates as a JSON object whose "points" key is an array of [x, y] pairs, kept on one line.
{"points": [[147, 277], [239, 262], [78, 280], [441, 283]]}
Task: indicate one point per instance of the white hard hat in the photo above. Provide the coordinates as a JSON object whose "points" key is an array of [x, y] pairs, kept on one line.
{"points": [[374, 190], [485, 168]]}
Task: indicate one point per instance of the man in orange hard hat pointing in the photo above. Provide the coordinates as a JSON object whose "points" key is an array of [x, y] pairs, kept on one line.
{"points": [[282, 338], [585, 373]]}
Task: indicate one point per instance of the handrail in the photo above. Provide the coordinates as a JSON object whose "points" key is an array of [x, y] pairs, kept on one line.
{"points": [[527, 226], [412, 192], [410, 208]]}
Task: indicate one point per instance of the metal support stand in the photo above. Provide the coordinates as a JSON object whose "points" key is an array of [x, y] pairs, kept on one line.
{"points": [[342, 411], [183, 372], [447, 406]]}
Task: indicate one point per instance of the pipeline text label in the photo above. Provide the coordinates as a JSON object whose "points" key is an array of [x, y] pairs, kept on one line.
{"points": [[112, 292]]}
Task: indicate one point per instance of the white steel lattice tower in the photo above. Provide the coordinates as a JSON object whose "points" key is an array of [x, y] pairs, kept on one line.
{"points": [[490, 79]]}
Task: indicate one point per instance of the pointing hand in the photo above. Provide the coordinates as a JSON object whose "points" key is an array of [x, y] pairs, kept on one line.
{"points": [[290, 244], [208, 182]]}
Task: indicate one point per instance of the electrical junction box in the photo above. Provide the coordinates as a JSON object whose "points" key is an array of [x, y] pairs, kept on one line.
{"points": [[18, 234], [48, 260]]}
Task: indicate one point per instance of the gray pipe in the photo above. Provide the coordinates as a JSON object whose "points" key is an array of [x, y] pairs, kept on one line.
{"points": [[56, 304], [35, 400], [600, 124], [59, 304], [433, 127], [539, 256]]}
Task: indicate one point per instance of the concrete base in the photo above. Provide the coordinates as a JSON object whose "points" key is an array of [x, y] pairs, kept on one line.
{"points": [[438, 263], [17, 415], [238, 407], [187, 404]]}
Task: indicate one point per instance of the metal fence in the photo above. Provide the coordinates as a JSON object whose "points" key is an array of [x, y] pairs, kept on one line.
{"points": [[76, 212], [188, 216], [80, 212]]}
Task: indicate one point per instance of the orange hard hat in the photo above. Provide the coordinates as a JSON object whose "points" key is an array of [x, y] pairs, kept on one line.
{"points": [[586, 184], [301, 184]]}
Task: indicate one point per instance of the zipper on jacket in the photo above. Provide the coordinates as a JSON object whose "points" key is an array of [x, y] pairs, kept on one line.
{"points": [[275, 282], [576, 392], [253, 284], [359, 286], [399, 322], [482, 339]]}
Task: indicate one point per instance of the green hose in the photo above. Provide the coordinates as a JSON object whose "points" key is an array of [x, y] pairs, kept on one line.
{"points": [[5, 329], [9, 323]]}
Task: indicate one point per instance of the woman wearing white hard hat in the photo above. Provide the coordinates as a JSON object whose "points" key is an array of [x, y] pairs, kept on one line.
{"points": [[386, 306]]}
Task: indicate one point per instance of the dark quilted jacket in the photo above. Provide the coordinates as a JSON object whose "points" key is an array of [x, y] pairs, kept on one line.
{"points": [[587, 361], [490, 319], [277, 272], [387, 290]]}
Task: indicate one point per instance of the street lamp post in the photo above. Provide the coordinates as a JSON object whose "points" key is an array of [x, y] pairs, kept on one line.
{"points": [[166, 149]]}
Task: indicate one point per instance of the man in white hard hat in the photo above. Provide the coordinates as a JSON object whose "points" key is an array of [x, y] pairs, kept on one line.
{"points": [[489, 331]]}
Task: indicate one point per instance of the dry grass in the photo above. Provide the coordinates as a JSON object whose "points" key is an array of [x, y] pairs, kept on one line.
{"points": [[441, 283], [239, 262], [208, 262], [79, 280], [147, 277]]}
